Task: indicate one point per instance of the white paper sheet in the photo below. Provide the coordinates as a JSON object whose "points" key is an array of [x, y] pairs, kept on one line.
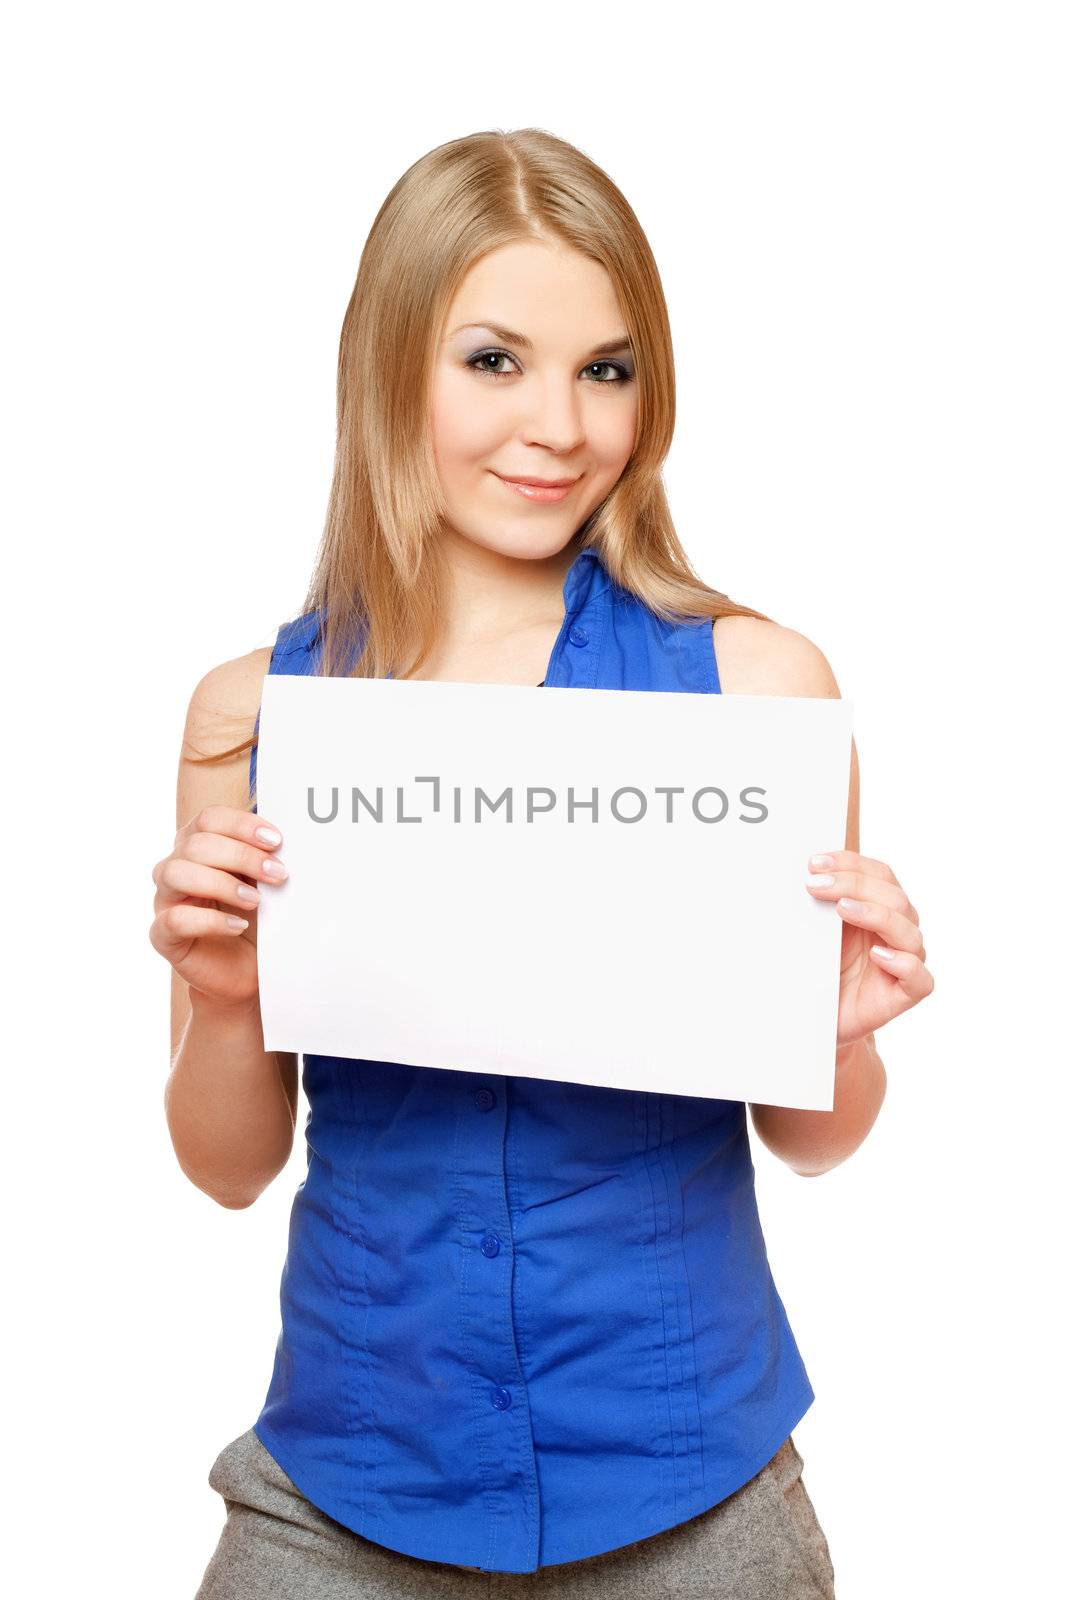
{"points": [[684, 955]]}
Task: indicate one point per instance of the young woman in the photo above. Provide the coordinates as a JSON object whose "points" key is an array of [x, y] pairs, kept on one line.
{"points": [[529, 1329]]}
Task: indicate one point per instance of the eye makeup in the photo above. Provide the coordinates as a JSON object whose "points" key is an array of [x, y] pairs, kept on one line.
{"points": [[625, 373]]}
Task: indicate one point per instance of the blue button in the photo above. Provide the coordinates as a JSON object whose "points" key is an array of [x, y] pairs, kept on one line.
{"points": [[578, 636], [484, 1099], [501, 1398], [490, 1245]]}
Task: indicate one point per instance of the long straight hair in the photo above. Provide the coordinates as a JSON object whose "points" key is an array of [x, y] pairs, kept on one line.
{"points": [[378, 581]]}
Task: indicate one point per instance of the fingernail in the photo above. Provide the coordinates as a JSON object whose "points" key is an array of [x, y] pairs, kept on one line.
{"points": [[820, 861], [268, 835], [851, 905], [246, 892], [273, 868], [820, 880], [880, 950], [237, 922]]}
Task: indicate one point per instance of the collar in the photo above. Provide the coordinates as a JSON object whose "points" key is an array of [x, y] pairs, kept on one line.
{"points": [[587, 579]]}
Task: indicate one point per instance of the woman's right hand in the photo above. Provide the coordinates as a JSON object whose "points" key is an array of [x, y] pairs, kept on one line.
{"points": [[209, 878]]}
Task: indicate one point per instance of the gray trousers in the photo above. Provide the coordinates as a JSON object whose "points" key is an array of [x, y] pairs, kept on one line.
{"points": [[763, 1542]]}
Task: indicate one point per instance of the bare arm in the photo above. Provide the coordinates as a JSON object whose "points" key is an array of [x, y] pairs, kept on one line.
{"points": [[230, 1105]]}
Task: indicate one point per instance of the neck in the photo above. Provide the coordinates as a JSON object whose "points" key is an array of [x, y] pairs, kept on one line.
{"points": [[489, 595]]}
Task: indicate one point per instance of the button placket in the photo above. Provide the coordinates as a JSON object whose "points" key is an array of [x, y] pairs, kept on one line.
{"points": [[506, 1452]]}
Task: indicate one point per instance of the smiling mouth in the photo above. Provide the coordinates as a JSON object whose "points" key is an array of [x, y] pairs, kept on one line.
{"points": [[544, 490]]}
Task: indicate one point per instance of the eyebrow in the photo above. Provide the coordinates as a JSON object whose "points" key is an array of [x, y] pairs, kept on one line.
{"points": [[509, 336]]}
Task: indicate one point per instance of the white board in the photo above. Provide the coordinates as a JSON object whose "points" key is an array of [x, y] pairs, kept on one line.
{"points": [[670, 944]]}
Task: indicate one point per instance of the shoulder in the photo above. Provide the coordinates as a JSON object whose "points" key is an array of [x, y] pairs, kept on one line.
{"points": [[226, 700], [761, 657]]}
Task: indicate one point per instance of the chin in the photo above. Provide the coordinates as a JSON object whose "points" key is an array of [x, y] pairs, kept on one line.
{"points": [[524, 545]]}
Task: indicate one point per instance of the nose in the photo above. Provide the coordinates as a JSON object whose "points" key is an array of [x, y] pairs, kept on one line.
{"points": [[554, 419]]}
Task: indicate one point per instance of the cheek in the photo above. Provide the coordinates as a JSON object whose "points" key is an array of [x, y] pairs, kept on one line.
{"points": [[613, 435], [467, 427]]}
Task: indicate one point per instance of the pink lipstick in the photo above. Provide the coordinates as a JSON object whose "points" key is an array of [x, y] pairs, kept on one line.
{"points": [[545, 490]]}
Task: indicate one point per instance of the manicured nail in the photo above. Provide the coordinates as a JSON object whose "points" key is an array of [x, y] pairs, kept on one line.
{"points": [[852, 905], [820, 880], [246, 892], [237, 922], [820, 861], [268, 835], [273, 868], [880, 950]]}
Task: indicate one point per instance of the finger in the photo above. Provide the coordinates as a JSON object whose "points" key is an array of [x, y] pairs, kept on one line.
{"points": [[893, 929], [862, 886], [915, 977], [178, 878], [232, 855], [235, 824], [179, 925], [831, 860]]}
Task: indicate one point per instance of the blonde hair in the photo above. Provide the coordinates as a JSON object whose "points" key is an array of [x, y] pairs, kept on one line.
{"points": [[377, 582]]}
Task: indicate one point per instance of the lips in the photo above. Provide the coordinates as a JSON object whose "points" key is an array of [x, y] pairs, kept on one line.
{"points": [[544, 490], [540, 483]]}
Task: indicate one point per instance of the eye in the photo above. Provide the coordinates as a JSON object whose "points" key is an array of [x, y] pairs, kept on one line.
{"points": [[489, 355], [622, 372]]}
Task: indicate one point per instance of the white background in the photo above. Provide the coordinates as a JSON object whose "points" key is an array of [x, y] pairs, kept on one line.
{"points": [[858, 214]]}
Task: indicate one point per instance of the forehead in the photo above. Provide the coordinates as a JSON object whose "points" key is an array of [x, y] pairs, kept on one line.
{"points": [[546, 291]]}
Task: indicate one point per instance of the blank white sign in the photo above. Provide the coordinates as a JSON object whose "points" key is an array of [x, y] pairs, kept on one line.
{"points": [[666, 943]]}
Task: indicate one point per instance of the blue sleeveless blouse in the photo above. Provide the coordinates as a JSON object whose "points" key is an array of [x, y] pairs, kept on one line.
{"points": [[524, 1321]]}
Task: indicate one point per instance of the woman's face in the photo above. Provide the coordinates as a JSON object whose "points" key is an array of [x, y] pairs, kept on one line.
{"points": [[541, 384]]}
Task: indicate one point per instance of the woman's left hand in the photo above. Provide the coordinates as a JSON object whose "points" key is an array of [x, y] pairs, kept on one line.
{"points": [[883, 959]]}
